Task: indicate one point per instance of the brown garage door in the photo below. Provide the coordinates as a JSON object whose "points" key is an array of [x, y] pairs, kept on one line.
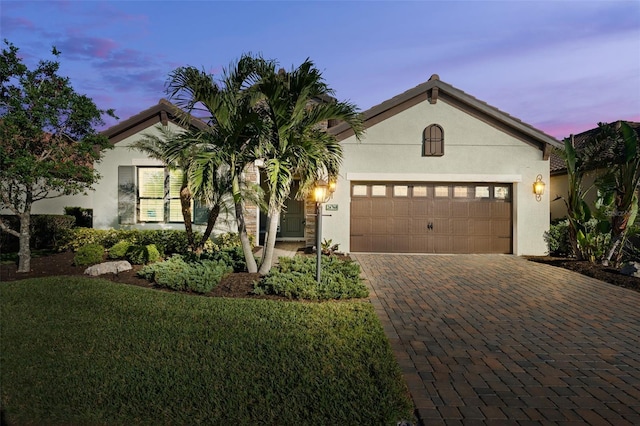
{"points": [[431, 218]]}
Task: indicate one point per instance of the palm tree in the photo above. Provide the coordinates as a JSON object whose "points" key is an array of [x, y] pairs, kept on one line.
{"points": [[294, 105], [234, 131], [182, 151]]}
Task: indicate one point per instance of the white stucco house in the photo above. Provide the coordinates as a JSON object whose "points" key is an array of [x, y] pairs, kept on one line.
{"points": [[438, 171]]}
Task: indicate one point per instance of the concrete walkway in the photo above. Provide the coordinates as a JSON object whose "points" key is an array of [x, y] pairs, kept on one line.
{"points": [[494, 339]]}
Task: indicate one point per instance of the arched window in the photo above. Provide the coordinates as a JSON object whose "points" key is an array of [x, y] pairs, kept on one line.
{"points": [[433, 141]]}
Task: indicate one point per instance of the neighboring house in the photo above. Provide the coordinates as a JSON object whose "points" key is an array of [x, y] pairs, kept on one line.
{"points": [[438, 171], [559, 181]]}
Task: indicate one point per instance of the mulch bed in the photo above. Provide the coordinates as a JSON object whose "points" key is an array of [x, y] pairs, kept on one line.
{"points": [[241, 284], [600, 272], [61, 264]]}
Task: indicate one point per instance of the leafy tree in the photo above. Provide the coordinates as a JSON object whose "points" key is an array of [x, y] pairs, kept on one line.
{"points": [[616, 152], [234, 133], [296, 106], [48, 141]]}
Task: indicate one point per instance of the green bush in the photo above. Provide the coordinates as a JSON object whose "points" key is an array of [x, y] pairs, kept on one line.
{"points": [[119, 250], [89, 254], [557, 238], [166, 241], [295, 278], [141, 255], [199, 276]]}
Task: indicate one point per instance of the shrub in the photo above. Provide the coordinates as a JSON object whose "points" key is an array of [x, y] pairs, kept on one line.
{"points": [[199, 276], [166, 241], [557, 239], [89, 254], [295, 278], [119, 250], [47, 230], [141, 255], [84, 217]]}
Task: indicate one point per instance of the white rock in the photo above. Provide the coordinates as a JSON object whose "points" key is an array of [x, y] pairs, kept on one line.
{"points": [[108, 268]]}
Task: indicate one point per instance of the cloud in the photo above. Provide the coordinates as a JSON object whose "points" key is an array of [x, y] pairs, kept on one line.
{"points": [[82, 47]]}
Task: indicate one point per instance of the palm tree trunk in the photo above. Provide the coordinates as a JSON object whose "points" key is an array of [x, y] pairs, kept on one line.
{"points": [[270, 239], [185, 204], [252, 266], [211, 222]]}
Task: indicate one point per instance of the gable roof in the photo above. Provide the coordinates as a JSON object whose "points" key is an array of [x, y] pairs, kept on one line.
{"points": [[163, 112], [557, 164], [434, 90]]}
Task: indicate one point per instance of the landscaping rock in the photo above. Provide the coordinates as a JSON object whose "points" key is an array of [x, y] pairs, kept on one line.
{"points": [[108, 268], [632, 269]]}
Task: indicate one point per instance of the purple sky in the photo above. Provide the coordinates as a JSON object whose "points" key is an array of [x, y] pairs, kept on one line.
{"points": [[561, 66]]}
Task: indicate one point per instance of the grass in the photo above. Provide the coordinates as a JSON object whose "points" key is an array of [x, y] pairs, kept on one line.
{"points": [[89, 351]]}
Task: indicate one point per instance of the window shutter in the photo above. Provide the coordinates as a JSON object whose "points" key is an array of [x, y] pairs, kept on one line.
{"points": [[126, 195]]}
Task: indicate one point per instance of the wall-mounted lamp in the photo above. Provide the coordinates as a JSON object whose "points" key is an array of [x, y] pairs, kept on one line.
{"points": [[538, 187]]}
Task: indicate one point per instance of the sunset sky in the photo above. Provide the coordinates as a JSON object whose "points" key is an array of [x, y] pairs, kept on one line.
{"points": [[561, 66]]}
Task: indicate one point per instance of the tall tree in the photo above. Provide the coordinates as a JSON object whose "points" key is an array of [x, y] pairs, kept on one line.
{"points": [[48, 141], [297, 106], [234, 131]]}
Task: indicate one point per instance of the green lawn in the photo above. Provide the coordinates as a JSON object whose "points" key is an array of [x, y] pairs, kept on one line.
{"points": [[87, 351]]}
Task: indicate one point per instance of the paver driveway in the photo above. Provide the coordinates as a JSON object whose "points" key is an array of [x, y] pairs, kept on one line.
{"points": [[501, 340]]}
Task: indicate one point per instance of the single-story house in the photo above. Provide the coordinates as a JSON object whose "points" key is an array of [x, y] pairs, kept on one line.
{"points": [[438, 171], [558, 171]]}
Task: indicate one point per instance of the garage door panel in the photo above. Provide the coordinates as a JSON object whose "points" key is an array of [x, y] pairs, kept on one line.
{"points": [[401, 244], [480, 209], [400, 225], [435, 218], [401, 208], [361, 225], [381, 207], [460, 209], [460, 244], [460, 227], [380, 244]]}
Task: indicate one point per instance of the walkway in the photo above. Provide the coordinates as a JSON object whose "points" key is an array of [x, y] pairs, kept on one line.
{"points": [[501, 340]]}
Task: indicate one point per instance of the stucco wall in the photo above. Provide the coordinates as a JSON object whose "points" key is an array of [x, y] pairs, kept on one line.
{"points": [[474, 152]]}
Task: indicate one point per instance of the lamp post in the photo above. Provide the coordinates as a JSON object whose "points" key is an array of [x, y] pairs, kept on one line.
{"points": [[321, 194]]}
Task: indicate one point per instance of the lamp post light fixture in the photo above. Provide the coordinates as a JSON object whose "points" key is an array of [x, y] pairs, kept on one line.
{"points": [[321, 194], [538, 187]]}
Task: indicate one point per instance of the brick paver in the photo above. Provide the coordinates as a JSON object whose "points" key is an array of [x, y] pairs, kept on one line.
{"points": [[501, 340]]}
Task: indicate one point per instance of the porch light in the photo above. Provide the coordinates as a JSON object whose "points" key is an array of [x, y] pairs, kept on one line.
{"points": [[538, 187], [321, 194]]}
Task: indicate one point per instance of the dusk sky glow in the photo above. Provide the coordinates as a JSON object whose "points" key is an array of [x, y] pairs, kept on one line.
{"points": [[560, 66]]}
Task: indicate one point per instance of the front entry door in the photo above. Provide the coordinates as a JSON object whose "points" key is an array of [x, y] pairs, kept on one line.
{"points": [[292, 218]]}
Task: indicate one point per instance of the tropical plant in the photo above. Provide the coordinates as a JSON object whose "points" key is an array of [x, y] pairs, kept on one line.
{"points": [[48, 141], [179, 151], [232, 138], [619, 151], [578, 211], [296, 106]]}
